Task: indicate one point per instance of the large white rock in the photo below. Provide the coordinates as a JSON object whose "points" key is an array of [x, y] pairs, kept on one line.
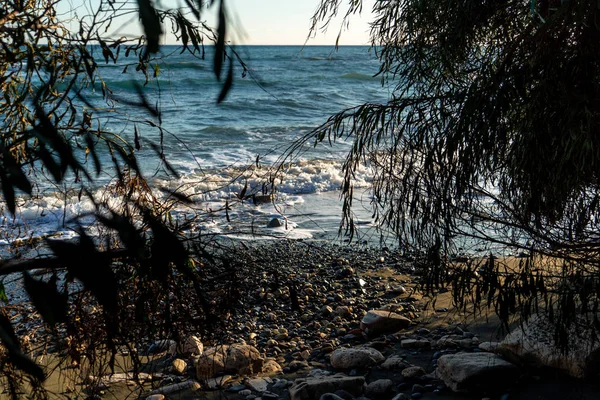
{"points": [[534, 344], [379, 322], [315, 387], [464, 372], [237, 358], [361, 357]]}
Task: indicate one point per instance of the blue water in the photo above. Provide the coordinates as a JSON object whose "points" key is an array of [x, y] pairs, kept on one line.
{"points": [[286, 92]]}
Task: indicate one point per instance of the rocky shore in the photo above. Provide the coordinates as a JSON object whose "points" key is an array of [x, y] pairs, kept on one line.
{"points": [[338, 322]]}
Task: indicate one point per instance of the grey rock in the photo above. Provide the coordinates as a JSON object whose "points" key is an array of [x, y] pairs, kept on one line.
{"points": [[314, 388], [378, 322], [413, 372], [490, 347], [533, 344], [356, 358], [274, 223], [394, 363], [379, 388], [415, 344], [401, 396], [258, 384], [161, 346], [464, 372], [330, 396]]}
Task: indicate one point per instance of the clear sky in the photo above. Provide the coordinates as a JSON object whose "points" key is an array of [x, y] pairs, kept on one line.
{"points": [[288, 22], [277, 22]]}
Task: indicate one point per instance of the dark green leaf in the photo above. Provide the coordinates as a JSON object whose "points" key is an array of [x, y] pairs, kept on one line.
{"points": [[152, 26], [17, 358], [51, 304], [228, 83], [3, 296], [220, 45]]}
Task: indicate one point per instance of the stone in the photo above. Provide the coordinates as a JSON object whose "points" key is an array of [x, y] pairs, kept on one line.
{"points": [[401, 396], [394, 363], [178, 387], [379, 388], [464, 372], [258, 384], [330, 396], [319, 372], [161, 346], [179, 366], [271, 367], [490, 347], [218, 382], [156, 397], [415, 344], [191, 345], [413, 372], [533, 344], [378, 322], [311, 388], [362, 357], [237, 358], [274, 223]]}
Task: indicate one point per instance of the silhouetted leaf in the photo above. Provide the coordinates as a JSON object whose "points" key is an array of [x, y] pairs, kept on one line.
{"points": [[220, 45], [51, 304], [152, 26], [18, 359], [3, 296], [228, 83]]}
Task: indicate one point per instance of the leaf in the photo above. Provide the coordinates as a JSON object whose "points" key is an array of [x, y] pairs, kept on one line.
{"points": [[51, 304], [228, 83], [17, 358], [136, 138], [3, 296], [152, 26], [220, 45]]}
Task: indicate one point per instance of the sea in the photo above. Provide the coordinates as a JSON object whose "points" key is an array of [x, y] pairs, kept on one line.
{"points": [[224, 153]]}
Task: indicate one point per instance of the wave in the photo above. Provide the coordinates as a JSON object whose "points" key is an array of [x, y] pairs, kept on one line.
{"points": [[358, 76]]}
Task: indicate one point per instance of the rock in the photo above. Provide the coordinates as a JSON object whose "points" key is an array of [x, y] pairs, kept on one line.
{"points": [[258, 384], [415, 344], [379, 388], [394, 363], [362, 357], [378, 322], [533, 344], [413, 372], [490, 347], [179, 366], [318, 372], [161, 346], [156, 397], [271, 367], [315, 387], [401, 396], [178, 387], [237, 358], [274, 223], [463, 372], [330, 396], [218, 382], [191, 345]]}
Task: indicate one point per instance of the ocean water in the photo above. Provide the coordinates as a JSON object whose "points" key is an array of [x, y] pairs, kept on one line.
{"points": [[219, 150]]}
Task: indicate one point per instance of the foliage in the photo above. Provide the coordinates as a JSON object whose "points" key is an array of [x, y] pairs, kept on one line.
{"points": [[54, 101], [490, 138]]}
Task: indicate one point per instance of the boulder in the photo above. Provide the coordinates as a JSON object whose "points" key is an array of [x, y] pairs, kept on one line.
{"points": [[415, 344], [271, 367], [356, 358], [191, 345], [379, 322], [413, 372], [379, 388], [258, 384], [179, 366], [533, 344], [394, 363], [463, 372], [313, 388], [238, 358]]}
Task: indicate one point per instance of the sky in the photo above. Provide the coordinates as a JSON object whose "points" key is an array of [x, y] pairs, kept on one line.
{"points": [[288, 22], [259, 22]]}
